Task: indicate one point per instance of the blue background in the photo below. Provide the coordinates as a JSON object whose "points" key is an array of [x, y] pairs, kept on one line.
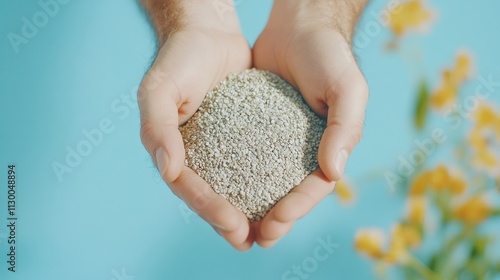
{"points": [[113, 215]]}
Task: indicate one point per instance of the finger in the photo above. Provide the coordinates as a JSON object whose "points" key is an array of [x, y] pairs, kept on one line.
{"points": [[268, 239], [329, 78], [346, 101], [246, 245], [167, 97], [231, 223], [158, 99], [294, 206]]}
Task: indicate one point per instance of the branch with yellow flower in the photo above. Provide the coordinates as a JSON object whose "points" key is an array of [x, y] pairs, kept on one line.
{"points": [[449, 206]]}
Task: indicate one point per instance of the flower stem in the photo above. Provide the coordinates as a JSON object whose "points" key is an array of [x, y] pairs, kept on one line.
{"points": [[422, 269]]}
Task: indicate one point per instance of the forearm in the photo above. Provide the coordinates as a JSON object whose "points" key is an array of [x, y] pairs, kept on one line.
{"points": [[341, 15], [170, 16]]}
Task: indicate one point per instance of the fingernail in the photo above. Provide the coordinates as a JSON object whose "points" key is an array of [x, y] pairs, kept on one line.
{"points": [[161, 160], [341, 161]]}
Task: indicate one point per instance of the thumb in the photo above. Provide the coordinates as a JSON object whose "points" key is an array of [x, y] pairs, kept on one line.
{"points": [[346, 101], [159, 101]]}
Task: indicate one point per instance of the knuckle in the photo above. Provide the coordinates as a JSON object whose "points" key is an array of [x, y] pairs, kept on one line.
{"points": [[200, 202], [355, 84], [356, 132], [158, 82], [362, 87], [153, 79], [356, 138], [141, 94], [353, 132], [146, 131]]}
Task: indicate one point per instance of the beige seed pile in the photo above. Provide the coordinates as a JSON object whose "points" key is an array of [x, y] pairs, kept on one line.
{"points": [[253, 139]]}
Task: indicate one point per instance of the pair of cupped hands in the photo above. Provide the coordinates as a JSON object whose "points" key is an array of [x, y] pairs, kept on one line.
{"points": [[306, 46]]}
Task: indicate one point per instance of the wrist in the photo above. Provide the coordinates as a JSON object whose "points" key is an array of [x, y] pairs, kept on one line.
{"points": [[218, 15], [171, 16], [340, 15]]}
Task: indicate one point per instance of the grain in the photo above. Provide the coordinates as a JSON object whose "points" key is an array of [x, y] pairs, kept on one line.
{"points": [[253, 139]]}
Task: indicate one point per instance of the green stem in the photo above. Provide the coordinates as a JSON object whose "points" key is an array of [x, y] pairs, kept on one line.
{"points": [[422, 269], [445, 253], [496, 212]]}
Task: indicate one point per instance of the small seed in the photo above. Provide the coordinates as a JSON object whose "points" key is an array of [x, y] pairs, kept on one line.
{"points": [[253, 139]]}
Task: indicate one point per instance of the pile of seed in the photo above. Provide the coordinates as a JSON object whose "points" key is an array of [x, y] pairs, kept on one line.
{"points": [[253, 139]]}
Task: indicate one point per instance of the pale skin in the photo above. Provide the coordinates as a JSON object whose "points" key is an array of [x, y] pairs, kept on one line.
{"points": [[306, 43]]}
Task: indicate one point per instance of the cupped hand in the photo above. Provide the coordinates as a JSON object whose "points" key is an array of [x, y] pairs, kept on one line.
{"points": [[309, 47], [190, 63]]}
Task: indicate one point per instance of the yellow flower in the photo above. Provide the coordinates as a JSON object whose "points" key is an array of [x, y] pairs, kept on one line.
{"points": [[420, 183], [397, 253], [446, 93], [485, 116], [452, 80], [416, 210], [463, 66], [473, 211], [344, 192], [457, 185], [408, 15], [442, 180], [370, 242], [484, 158], [438, 179], [497, 129], [477, 139], [403, 237], [409, 234], [482, 137]]}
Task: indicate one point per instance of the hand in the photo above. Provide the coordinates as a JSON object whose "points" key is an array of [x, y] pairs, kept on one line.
{"points": [[307, 44], [197, 55]]}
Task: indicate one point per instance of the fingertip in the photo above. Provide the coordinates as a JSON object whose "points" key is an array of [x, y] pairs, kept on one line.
{"points": [[330, 171], [332, 159], [241, 239], [169, 153], [243, 247], [168, 165], [266, 244], [236, 221], [247, 245], [272, 230], [162, 161], [285, 213]]}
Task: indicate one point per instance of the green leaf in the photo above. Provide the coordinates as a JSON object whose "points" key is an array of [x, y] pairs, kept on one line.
{"points": [[422, 106]]}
